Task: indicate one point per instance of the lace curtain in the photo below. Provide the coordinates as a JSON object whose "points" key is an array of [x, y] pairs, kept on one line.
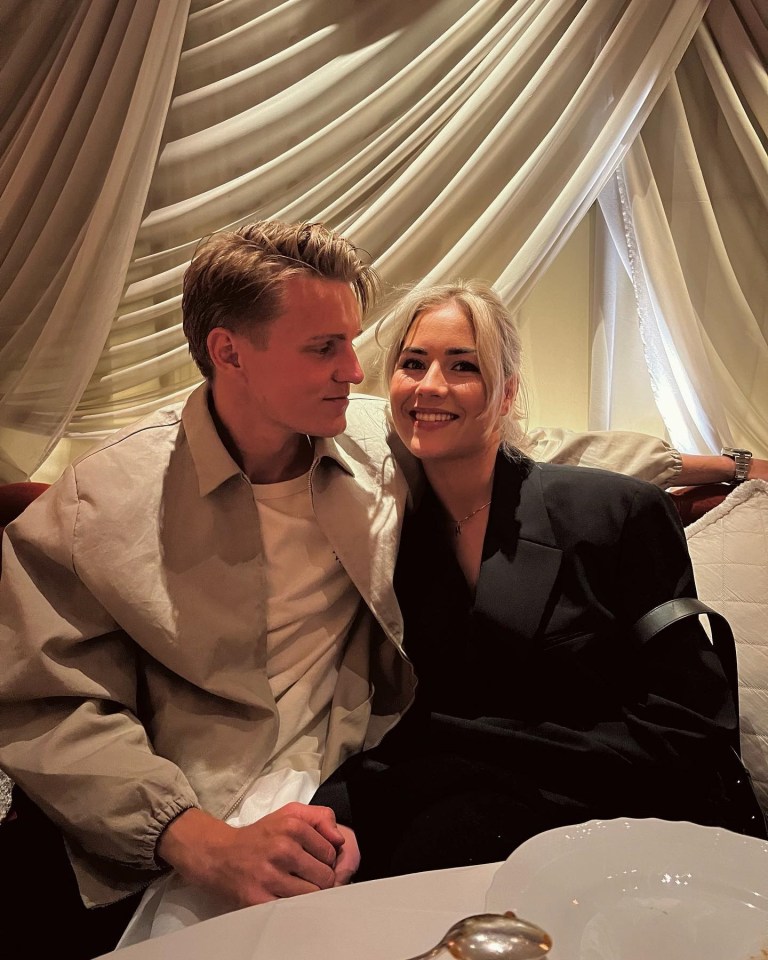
{"points": [[688, 212], [446, 137]]}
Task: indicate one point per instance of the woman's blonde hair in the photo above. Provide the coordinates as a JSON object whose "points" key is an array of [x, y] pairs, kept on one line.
{"points": [[497, 340]]}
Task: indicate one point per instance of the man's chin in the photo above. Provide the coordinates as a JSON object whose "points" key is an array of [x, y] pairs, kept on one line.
{"points": [[330, 428]]}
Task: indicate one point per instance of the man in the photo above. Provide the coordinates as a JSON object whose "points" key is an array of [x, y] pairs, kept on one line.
{"points": [[197, 621]]}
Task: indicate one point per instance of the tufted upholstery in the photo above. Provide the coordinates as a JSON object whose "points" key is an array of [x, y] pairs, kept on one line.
{"points": [[729, 550]]}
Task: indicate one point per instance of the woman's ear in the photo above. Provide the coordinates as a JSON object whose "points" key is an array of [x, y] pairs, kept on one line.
{"points": [[509, 395]]}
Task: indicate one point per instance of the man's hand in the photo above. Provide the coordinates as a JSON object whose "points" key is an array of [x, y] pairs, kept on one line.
{"points": [[347, 859], [296, 849]]}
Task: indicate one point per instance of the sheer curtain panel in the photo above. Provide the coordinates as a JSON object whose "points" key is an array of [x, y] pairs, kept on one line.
{"points": [[688, 210], [85, 94]]}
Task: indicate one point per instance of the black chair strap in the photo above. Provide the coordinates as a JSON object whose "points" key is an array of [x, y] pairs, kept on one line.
{"points": [[673, 611], [755, 822]]}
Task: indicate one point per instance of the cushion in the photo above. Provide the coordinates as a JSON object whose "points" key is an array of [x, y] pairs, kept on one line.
{"points": [[16, 497], [729, 550], [693, 502]]}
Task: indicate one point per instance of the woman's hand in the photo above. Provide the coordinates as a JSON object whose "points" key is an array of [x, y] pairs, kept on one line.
{"points": [[348, 857]]}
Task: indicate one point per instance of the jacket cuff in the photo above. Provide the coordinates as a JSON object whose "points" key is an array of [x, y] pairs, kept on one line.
{"points": [[165, 817]]}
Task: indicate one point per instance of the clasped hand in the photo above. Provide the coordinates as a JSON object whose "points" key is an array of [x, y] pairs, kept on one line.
{"points": [[297, 849]]}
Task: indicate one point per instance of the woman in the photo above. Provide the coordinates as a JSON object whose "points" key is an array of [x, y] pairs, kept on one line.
{"points": [[519, 584]]}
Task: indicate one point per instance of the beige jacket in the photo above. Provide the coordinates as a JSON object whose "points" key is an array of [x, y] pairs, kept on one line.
{"points": [[132, 632]]}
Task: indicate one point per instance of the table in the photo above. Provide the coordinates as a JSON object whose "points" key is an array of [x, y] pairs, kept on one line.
{"points": [[379, 920]]}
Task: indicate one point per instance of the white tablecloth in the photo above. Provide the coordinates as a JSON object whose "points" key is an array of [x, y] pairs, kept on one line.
{"points": [[381, 920]]}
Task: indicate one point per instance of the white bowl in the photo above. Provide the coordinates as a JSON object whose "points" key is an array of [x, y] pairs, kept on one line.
{"points": [[640, 890]]}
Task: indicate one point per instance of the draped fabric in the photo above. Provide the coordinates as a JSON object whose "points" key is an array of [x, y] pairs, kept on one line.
{"points": [[688, 212], [445, 137], [86, 88]]}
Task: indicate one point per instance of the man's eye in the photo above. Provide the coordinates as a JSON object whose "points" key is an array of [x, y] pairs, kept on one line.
{"points": [[326, 348]]}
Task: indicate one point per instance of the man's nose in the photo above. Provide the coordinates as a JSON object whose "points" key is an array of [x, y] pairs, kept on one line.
{"points": [[349, 370]]}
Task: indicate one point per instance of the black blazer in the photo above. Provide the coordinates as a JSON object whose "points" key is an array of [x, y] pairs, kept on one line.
{"points": [[535, 688], [572, 557]]}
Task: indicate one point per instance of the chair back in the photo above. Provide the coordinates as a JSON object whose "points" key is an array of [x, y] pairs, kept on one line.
{"points": [[14, 499]]}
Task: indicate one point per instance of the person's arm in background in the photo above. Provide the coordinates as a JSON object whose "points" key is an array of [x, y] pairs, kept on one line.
{"points": [[715, 469], [636, 455]]}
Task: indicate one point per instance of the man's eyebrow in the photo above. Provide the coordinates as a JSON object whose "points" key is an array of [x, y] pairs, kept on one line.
{"points": [[333, 336]]}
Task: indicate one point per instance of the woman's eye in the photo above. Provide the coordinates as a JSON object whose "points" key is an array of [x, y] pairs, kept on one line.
{"points": [[466, 366], [410, 363]]}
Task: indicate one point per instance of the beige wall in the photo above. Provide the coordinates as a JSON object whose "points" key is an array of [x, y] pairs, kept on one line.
{"points": [[560, 358], [554, 325]]}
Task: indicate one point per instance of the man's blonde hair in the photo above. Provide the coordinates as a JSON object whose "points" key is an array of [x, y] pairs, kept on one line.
{"points": [[236, 279]]}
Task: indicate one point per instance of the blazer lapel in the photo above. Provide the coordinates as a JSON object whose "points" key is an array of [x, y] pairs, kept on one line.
{"points": [[521, 559]]}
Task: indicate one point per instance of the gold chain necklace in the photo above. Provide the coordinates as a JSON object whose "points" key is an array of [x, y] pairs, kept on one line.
{"points": [[457, 524]]}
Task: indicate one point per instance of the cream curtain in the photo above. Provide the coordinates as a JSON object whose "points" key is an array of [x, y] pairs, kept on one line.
{"points": [[447, 137], [688, 211], [86, 88]]}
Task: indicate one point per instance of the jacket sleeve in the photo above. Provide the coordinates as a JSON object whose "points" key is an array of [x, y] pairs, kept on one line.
{"points": [[69, 732], [633, 454]]}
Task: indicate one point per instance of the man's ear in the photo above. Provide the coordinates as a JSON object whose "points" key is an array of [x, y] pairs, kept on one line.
{"points": [[510, 393], [223, 350]]}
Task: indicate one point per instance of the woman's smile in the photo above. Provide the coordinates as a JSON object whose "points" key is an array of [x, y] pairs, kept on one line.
{"points": [[431, 418]]}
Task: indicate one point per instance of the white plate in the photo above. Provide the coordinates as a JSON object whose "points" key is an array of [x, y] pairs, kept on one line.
{"points": [[640, 890]]}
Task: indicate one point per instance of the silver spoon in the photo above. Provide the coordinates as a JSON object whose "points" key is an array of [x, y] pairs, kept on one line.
{"points": [[492, 936]]}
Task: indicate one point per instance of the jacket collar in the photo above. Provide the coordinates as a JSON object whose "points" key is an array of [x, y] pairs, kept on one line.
{"points": [[212, 462], [329, 447]]}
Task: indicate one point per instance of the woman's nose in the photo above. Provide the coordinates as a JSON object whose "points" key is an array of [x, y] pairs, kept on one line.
{"points": [[433, 381]]}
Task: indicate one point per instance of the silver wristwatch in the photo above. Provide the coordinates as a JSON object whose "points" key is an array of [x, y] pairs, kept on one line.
{"points": [[741, 458]]}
